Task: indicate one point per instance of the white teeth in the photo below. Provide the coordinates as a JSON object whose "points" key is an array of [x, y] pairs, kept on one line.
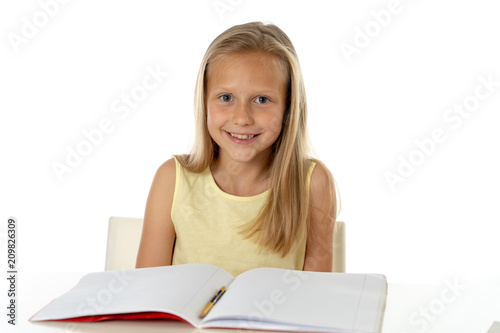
{"points": [[242, 137]]}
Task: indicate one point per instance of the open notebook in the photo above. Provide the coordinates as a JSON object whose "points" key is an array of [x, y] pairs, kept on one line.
{"points": [[263, 298]]}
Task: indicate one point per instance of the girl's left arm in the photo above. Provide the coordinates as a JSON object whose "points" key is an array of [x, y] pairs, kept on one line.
{"points": [[322, 214]]}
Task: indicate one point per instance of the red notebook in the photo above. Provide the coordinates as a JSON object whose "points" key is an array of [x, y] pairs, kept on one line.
{"points": [[130, 316], [262, 298]]}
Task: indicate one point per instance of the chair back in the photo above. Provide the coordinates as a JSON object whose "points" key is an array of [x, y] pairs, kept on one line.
{"points": [[124, 236]]}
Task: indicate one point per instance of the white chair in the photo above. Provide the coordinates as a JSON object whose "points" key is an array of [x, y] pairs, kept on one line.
{"points": [[124, 235]]}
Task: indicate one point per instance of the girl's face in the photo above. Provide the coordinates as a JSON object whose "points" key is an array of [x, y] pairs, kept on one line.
{"points": [[246, 100]]}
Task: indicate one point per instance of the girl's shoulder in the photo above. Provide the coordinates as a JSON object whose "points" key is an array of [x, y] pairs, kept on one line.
{"points": [[166, 174], [320, 172], [167, 168], [321, 183]]}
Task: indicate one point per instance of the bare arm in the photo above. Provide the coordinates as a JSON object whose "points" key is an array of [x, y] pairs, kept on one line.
{"points": [[322, 213], [158, 233]]}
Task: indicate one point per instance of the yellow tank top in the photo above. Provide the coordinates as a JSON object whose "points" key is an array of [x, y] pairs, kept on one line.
{"points": [[207, 221]]}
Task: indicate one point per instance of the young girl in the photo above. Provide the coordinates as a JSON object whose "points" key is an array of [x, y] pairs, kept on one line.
{"points": [[248, 195]]}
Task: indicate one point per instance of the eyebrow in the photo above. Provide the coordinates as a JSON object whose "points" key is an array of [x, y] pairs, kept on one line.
{"points": [[228, 89]]}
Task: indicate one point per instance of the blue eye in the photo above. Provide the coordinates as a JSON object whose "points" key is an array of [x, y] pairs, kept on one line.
{"points": [[226, 98], [262, 100]]}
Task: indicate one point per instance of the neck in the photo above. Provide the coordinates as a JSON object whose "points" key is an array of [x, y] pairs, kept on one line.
{"points": [[241, 178]]}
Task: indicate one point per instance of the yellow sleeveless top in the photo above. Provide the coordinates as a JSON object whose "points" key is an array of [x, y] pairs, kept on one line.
{"points": [[207, 221]]}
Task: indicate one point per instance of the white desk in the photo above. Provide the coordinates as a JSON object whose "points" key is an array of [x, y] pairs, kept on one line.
{"points": [[410, 309]]}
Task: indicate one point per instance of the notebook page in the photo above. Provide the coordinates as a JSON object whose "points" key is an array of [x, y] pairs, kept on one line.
{"points": [[165, 289], [298, 299], [369, 318], [206, 293]]}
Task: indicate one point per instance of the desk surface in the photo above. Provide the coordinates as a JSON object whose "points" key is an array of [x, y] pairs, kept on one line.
{"points": [[448, 307]]}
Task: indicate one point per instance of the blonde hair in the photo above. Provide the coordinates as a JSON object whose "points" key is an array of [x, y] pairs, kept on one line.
{"points": [[284, 217]]}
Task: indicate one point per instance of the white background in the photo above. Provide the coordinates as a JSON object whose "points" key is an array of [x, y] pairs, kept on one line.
{"points": [[365, 113]]}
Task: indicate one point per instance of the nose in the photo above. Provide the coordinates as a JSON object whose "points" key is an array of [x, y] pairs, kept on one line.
{"points": [[242, 115]]}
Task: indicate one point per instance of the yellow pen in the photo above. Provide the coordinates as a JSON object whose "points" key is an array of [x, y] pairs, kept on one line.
{"points": [[211, 304]]}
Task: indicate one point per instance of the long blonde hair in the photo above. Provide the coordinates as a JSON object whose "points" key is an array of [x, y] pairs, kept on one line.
{"points": [[284, 217]]}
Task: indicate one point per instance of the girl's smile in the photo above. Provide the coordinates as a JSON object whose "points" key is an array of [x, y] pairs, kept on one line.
{"points": [[242, 139]]}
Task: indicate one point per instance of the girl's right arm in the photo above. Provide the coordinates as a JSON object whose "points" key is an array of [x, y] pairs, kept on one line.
{"points": [[158, 233]]}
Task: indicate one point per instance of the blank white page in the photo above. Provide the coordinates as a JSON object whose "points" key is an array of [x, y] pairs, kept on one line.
{"points": [[312, 299], [172, 289]]}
